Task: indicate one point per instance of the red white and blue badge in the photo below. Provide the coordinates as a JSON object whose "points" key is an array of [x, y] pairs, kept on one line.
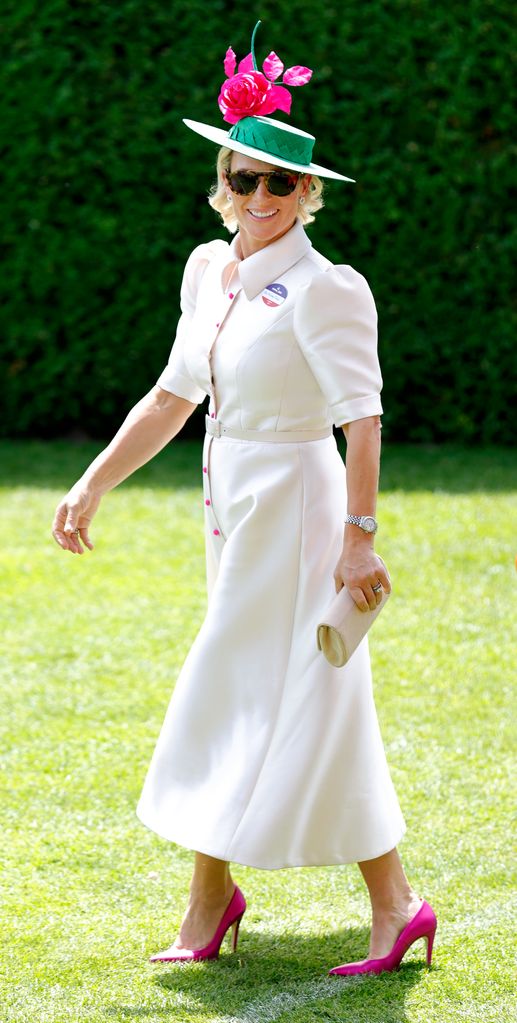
{"points": [[274, 294]]}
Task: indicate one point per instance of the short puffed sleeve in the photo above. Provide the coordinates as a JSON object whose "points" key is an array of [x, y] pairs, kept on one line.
{"points": [[335, 322], [176, 377]]}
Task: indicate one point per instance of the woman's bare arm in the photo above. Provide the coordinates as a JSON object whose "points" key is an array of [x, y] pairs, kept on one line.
{"points": [[359, 567], [150, 425]]}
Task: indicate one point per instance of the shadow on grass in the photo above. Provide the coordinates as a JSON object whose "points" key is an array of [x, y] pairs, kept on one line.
{"points": [[446, 468], [283, 977]]}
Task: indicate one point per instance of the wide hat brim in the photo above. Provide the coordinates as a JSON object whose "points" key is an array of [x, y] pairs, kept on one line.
{"points": [[222, 138]]}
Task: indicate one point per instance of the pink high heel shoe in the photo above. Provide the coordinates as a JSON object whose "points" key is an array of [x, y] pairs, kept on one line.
{"points": [[231, 917], [422, 925]]}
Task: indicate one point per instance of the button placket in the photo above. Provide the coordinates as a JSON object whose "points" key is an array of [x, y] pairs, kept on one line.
{"points": [[212, 522], [224, 311], [207, 495]]}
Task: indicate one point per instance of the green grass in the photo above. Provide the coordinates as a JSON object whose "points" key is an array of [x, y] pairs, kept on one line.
{"points": [[90, 650]]}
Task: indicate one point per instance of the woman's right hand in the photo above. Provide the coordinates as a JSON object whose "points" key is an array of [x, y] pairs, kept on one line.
{"points": [[148, 427], [73, 516]]}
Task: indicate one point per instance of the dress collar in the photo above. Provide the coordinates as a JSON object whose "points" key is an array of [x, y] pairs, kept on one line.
{"points": [[265, 266]]}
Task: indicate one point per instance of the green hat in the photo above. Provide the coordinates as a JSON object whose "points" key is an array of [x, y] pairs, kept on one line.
{"points": [[246, 98]]}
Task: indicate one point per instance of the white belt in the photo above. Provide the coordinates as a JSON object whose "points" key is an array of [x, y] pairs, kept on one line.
{"points": [[216, 429]]}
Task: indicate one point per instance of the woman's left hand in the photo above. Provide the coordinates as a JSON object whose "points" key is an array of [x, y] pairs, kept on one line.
{"points": [[360, 569]]}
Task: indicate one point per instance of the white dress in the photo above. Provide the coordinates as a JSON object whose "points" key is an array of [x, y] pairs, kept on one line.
{"points": [[268, 756]]}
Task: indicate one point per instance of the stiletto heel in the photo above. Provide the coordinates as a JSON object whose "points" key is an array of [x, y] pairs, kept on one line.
{"points": [[422, 925], [430, 943], [231, 917], [235, 932]]}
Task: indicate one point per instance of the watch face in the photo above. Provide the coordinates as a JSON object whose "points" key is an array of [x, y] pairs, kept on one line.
{"points": [[369, 524]]}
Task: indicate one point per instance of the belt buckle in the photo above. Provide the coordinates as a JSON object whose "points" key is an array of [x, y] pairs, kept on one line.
{"points": [[216, 428]]}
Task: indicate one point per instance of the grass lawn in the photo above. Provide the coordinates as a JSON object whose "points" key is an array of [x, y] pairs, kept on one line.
{"points": [[91, 647]]}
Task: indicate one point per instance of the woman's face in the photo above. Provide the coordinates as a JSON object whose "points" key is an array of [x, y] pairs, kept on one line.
{"points": [[262, 217]]}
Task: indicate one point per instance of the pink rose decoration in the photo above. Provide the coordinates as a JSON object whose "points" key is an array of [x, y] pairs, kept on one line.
{"points": [[246, 95], [251, 93]]}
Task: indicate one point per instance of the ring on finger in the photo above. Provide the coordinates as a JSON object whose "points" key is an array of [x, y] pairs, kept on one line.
{"points": [[377, 588]]}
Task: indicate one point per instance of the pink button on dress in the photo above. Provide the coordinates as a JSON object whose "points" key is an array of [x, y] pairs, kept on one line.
{"points": [[269, 756]]}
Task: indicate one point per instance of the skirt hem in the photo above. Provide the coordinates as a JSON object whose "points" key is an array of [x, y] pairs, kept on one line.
{"points": [[230, 857]]}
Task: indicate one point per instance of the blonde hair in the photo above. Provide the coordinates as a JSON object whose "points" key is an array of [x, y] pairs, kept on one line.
{"points": [[219, 203]]}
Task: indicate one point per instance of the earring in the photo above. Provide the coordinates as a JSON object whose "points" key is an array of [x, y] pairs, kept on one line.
{"points": [[301, 200], [228, 197]]}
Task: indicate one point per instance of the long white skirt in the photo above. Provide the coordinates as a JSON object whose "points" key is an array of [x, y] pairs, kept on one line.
{"points": [[268, 755]]}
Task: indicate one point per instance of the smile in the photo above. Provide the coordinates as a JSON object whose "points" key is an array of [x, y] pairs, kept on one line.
{"points": [[262, 216]]}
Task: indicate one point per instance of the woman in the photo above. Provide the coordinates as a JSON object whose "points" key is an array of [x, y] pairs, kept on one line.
{"points": [[268, 755]]}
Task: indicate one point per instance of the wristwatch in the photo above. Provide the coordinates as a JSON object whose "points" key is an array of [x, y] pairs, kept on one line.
{"points": [[365, 522]]}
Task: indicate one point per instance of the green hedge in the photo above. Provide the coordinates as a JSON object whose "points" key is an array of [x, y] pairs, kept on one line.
{"points": [[104, 189]]}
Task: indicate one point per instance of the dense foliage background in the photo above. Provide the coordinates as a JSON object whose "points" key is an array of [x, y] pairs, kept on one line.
{"points": [[103, 194]]}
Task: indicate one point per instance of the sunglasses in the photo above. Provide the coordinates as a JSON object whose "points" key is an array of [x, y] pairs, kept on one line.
{"points": [[277, 182]]}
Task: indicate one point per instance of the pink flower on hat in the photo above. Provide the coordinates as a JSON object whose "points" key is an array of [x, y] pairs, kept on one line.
{"points": [[251, 93]]}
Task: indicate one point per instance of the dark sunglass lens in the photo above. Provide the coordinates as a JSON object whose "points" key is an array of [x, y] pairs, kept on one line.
{"points": [[282, 184], [242, 183]]}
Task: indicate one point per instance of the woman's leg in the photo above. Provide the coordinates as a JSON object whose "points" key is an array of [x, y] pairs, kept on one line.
{"points": [[393, 900], [211, 889]]}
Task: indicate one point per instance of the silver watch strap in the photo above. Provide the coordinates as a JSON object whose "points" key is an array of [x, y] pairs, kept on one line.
{"points": [[368, 523]]}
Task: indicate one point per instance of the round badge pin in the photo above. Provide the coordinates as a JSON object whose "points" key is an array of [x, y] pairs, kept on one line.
{"points": [[274, 294]]}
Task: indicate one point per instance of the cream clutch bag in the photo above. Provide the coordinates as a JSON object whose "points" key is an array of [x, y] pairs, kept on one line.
{"points": [[344, 627]]}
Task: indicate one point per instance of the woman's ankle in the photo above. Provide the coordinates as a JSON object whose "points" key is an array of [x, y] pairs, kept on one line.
{"points": [[401, 904], [213, 893]]}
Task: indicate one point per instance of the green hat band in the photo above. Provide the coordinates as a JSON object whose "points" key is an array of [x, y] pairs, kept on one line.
{"points": [[274, 141]]}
